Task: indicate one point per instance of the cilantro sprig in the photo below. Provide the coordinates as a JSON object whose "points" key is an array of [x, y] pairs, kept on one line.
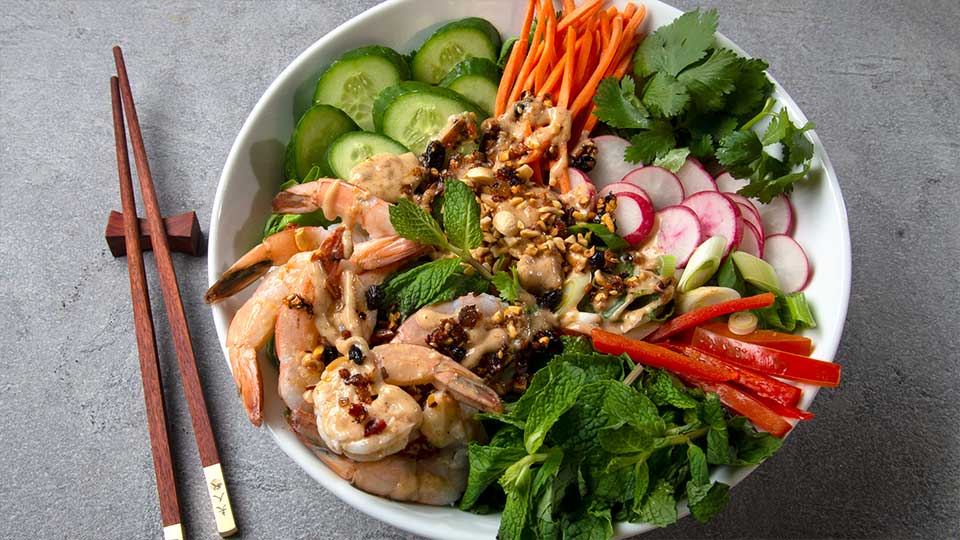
{"points": [[693, 97], [436, 281]]}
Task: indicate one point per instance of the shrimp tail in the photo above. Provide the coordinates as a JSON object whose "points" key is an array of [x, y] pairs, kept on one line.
{"points": [[288, 202], [235, 280], [468, 389], [243, 362]]}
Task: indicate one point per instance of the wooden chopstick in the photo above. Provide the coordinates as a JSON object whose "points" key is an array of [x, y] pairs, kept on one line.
{"points": [[146, 339], [203, 432]]}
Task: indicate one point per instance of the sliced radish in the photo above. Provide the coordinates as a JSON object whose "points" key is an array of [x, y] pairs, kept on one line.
{"points": [[661, 185], [579, 182], [750, 215], [679, 233], [623, 187], [728, 184], [610, 165], [718, 216], [789, 261], [634, 217], [777, 216], [752, 241], [694, 178]]}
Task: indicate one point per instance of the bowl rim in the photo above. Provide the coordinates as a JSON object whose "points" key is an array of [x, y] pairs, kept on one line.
{"points": [[358, 499]]}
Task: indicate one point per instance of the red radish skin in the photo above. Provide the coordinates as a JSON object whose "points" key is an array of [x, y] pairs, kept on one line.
{"points": [[777, 216], [634, 217], [622, 187], [726, 183], [752, 241], [679, 233], [718, 216], [750, 215], [661, 185], [694, 178], [789, 261], [610, 166], [580, 183]]}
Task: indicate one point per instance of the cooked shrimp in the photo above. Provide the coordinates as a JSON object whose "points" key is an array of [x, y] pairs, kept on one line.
{"points": [[418, 326], [437, 479], [447, 421], [296, 337], [250, 329], [387, 176], [277, 249], [338, 199]]}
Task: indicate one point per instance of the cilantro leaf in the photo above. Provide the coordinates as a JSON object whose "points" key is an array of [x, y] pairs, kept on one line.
{"points": [[751, 88], [508, 284], [677, 45], [618, 105], [647, 145], [461, 215], [664, 95], [673, 160], [738, 151], [413, 223], [601, 232], [708, 82], [421, 285]]}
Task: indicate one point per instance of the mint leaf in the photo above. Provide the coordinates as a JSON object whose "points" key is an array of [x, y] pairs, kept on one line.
{"points": [[648, 144], [487, 464], [421, 285], [625, 405], [707, 501], [516, 483], [461, 215], [600, 232], [548, 406], [413, 223], [660, 507], [626, 440], [507, 284], [750, 446], [663, 391], [711, 413], [699, 474], [677, 45], [618, 105], [593, 526], [664, 95]]}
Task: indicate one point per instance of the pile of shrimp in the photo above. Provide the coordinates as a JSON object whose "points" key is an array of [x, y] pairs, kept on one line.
{"points": [[392, 411]]}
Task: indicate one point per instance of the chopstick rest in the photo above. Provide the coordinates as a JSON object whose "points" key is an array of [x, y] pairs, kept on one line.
{"points": [[183, 231]]}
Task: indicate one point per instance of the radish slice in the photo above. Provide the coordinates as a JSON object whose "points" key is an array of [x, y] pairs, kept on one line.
{"points": [[752, 241], [717, 215], [694, 178], [580, 183], [679, 233], [750, 215], [661, 185], [610, 165], [726, 183], [789, 261], [634, 217], [622, 187], [777, 216]]}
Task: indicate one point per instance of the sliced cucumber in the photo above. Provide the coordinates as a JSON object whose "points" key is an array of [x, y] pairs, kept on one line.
{"points": [[317, 128], [476, 79], [354, 80], [353, 147], [414, 113], [452, 43]]}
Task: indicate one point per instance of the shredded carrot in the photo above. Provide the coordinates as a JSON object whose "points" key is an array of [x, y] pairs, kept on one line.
{"points": [[629, 10], [528, 82], [585, 94], [527, 66], [566, 87], [604, 28], [517, 56], [568, 7], [582, 11], [549, 50]]}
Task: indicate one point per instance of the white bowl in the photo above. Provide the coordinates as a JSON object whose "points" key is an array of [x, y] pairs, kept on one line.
{"points": [[253, 172]]}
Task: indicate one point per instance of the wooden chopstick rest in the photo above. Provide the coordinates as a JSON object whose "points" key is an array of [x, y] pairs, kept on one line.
{"points": [[183, 232]]}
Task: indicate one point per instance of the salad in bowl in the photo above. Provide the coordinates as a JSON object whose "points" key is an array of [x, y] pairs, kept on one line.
{"points": [[552, 277]]}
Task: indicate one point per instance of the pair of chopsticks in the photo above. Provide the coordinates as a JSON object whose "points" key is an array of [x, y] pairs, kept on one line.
{"points": [[146, 340]]}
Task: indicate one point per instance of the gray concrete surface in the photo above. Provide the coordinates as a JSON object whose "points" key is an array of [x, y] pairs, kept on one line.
{"points": [[881, 80]]}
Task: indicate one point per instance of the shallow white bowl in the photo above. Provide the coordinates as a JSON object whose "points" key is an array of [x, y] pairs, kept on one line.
{"points": [[253, 172]]}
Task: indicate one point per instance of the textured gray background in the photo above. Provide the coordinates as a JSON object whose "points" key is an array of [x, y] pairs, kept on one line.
{"points": [[881, 80]]}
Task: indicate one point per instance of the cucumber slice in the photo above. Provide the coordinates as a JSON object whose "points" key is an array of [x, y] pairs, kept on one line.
{"points": [[414, 113], [453, 43], [317, 128], [354, 80], [353, 147], [476, 79]]}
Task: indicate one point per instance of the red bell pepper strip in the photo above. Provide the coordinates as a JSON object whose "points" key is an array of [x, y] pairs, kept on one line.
{"points": [[704, 314], [766, 360], [743, 403], [660, 357], [785, 411], [767, 338], [758, 384]]}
